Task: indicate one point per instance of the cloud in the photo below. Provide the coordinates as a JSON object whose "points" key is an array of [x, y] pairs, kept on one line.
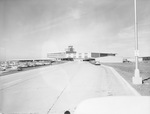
{"points": [[126, 40], [76, 13], [94, 25], [126, 33]]}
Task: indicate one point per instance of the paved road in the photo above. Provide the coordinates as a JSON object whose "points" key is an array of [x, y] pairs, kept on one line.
{"points": [[54, 89]]}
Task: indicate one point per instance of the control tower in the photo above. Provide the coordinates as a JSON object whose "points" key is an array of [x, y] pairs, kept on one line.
{"points": [[70, 50]]}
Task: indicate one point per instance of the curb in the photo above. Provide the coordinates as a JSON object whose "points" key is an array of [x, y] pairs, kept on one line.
{"points": [[123, 80]]}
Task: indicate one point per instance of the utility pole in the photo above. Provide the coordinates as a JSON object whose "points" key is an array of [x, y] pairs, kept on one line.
{"points": [[136, 79]]}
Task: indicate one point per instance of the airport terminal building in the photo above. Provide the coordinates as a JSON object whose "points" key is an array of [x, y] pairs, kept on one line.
{"points": [[71, 53]]}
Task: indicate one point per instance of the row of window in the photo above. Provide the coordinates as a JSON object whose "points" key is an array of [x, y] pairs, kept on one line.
{"points": [[79, 55]]}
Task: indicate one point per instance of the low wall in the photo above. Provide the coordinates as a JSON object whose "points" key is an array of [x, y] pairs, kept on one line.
{"points": [[110, 59]]}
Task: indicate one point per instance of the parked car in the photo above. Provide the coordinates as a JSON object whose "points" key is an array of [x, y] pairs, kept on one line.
{"points": [[23, 65], [3, 68], [15, 67], [31, 64], [97, 63], [39, 63], [92, 61], [47, 63], [126, 61]]}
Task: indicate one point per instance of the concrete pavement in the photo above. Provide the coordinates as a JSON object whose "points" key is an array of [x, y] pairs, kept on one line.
{"points": [[54, 89]]}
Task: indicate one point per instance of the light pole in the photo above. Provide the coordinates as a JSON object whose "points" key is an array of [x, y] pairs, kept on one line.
{"points": [[136, 79]]}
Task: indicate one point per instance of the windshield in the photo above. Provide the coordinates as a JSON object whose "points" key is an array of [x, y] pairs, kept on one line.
{"points": [[54, 54]]}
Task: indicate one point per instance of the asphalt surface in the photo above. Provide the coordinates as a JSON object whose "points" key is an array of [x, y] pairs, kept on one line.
{"points": [[54, 89]]}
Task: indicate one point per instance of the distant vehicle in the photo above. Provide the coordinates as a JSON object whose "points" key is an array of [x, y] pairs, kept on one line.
{"points": [[3, 68], [15, 67], [23, 65], [89, 59], [26, 63], [97, 63], [92, 61], [39, 63], [67, 59], [31, 64], [47, 63], [126, 61], [19, 68]]}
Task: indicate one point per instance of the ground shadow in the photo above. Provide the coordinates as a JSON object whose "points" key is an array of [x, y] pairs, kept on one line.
{"points": [[145, 80]]}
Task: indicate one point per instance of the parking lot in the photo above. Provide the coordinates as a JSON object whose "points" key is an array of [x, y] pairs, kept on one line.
{"points": [[24, 66]]}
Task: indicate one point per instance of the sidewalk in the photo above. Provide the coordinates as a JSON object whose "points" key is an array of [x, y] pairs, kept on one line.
{"points": [[123, 81]]}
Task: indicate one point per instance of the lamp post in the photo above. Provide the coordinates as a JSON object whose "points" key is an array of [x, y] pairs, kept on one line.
{"points": [[136, 79]]}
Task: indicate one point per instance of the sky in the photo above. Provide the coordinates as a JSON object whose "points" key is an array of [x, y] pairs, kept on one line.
{"points": [[30, 29]]}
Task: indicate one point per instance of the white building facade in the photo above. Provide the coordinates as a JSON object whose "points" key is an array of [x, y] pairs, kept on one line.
{"points": [[70, 53]]}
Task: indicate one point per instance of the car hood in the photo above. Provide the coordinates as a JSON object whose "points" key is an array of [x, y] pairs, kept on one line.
{"points": [[115, 105]]}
